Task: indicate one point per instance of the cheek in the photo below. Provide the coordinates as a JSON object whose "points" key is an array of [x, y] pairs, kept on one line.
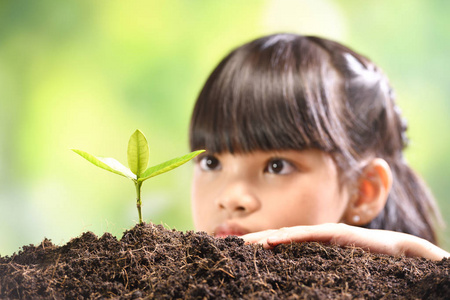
{"points": [[329, 203], [196, 206], [199, 204], [305, 203]]}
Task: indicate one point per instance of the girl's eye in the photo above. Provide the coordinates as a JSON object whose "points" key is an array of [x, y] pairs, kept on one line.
{"points": [[279, 166], [209, 163]]}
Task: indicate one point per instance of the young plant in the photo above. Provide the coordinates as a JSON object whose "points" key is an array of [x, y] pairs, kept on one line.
{"points": [[138, 156]]}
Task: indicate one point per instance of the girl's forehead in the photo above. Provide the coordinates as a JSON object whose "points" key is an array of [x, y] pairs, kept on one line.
{"points": [[305, 154]]}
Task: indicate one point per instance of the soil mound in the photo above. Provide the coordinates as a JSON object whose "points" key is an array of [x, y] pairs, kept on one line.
{"points": [[152, 262]]}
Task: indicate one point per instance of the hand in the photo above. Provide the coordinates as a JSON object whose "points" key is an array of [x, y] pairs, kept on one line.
{"points": [[374, 240]]}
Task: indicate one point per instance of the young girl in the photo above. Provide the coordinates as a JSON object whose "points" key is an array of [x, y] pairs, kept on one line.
{"points": [[304, 142]]}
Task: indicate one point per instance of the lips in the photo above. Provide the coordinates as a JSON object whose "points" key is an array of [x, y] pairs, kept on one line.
{"points": [[227, 229]]}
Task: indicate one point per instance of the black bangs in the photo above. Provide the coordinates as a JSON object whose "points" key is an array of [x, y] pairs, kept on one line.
{"points": [[257, 99]]}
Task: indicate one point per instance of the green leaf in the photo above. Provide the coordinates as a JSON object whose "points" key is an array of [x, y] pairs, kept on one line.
{"points": [[138, 153], [109, 164], [168, 165]]}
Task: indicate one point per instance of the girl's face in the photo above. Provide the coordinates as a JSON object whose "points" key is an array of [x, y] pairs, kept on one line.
{"points": [[243, 193]]}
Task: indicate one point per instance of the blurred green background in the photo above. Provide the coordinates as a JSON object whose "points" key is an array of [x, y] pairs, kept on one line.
{"points": [[85, 74]]}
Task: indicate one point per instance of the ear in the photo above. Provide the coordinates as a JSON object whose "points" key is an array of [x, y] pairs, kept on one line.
{"points": [[372, 192]]}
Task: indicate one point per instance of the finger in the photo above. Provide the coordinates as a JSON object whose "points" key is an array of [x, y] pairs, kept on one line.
{"points": [[325, 233], [256, 236], [271, 238]]}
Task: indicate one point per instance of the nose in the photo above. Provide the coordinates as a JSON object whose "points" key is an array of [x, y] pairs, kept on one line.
{"points": [[238, 199]]}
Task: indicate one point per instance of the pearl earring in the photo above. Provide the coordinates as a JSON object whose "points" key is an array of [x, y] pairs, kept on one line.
{"points": [[356, 218]]}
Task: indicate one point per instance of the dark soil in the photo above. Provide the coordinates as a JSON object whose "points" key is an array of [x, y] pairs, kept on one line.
{"points": [[151, 262]]}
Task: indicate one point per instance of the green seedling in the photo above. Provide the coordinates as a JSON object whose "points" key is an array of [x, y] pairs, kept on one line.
{"points": [[138, 156]]}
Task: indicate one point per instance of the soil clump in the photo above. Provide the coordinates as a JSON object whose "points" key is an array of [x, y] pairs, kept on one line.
{"points": [[151, 262]]}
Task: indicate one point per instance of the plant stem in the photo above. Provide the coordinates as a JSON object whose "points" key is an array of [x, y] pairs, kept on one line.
{"points": [[138, 185]]}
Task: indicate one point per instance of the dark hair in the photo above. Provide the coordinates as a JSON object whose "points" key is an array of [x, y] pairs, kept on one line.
{"points": [[288, 91]]}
